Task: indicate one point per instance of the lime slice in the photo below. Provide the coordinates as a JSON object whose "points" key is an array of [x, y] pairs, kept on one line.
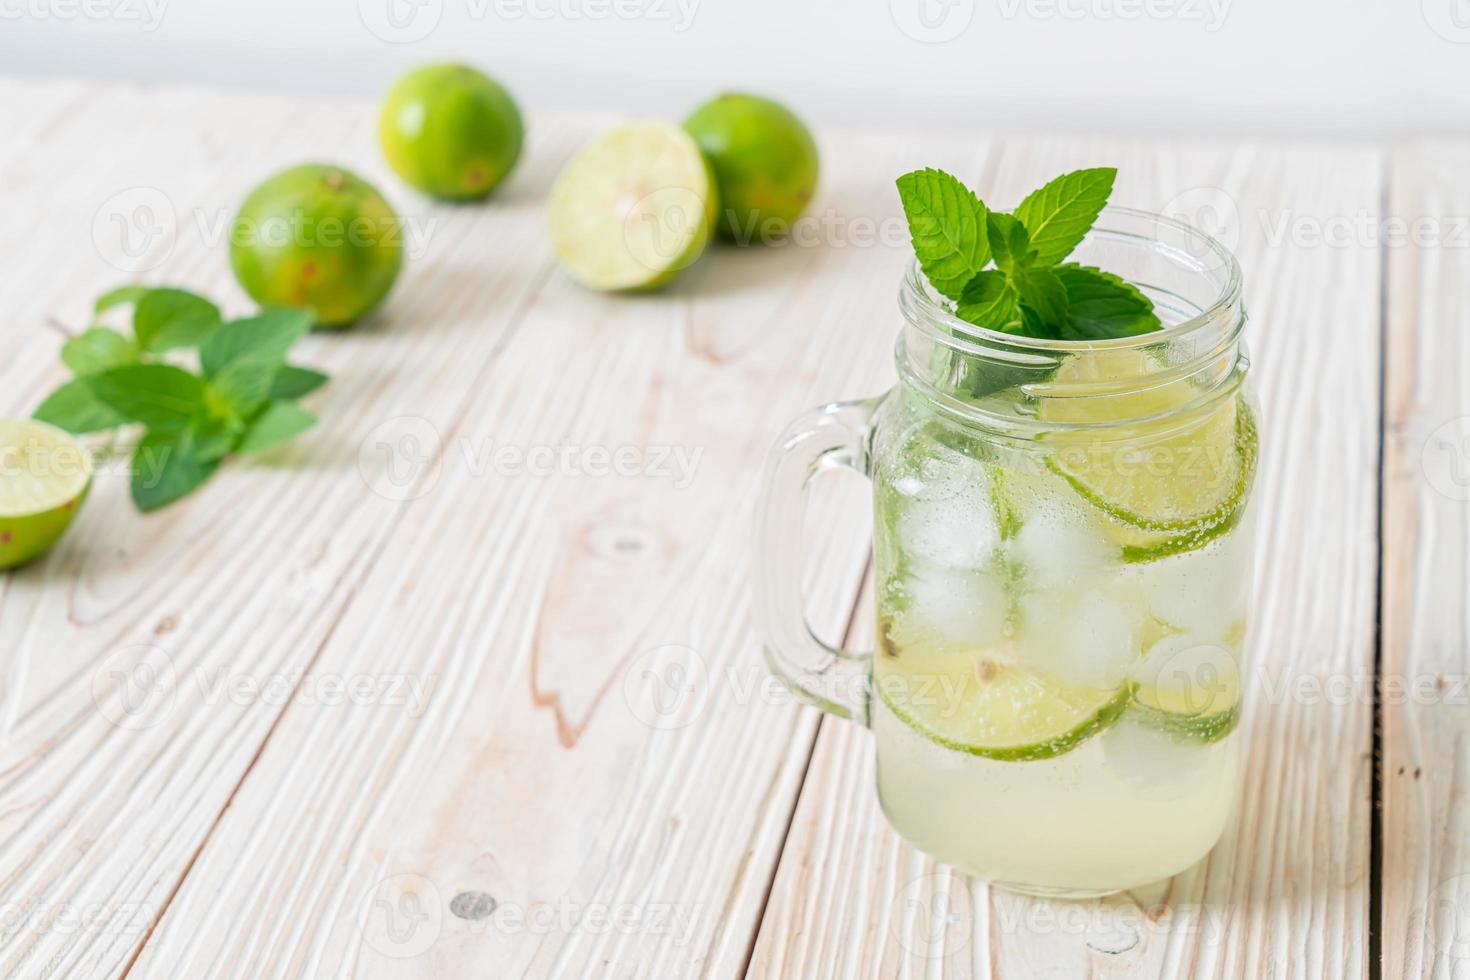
{"points": [[633, 207], [1188, 687], [990, 707], [44, 475], [1167, 485]]}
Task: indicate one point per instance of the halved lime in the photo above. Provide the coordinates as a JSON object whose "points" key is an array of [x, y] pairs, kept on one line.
{"points": [[992, 707], [44, 476], [1188, 687], [1166, 485], [633, 207]]}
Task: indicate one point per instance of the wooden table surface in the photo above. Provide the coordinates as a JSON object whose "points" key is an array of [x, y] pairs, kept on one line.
{"points": [[437, 691]]}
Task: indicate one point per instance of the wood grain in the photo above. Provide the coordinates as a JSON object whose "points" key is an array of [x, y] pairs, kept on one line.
{"points": [[1286, 893], [1426, 529]]}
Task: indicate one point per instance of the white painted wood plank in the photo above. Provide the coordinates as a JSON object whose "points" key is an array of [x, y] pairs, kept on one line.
{"points": [[244, 581], [1426, 533], [539, 782], [1286, 893]]}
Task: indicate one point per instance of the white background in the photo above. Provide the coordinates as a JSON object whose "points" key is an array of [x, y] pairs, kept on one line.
{"points": [[1282, 67]]}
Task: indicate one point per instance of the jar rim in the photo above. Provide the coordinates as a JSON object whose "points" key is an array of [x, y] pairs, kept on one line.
{"points": [[916, 297]]}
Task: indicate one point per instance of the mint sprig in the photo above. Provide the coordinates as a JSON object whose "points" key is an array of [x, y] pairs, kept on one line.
{"points": [[1017, 281], [242, 399]]}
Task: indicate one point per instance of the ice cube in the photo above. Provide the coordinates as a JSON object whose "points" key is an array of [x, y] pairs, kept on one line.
{"points": [[1202, 592], [952, 523], [1151, 759], [959, 608], [1060, 547], [1089, 639]]}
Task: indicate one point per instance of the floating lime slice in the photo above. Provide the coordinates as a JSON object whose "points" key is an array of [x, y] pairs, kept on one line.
{"points": [[1167, 485], [44, 475], [633, 207], [1188, 687], [992, 708]]}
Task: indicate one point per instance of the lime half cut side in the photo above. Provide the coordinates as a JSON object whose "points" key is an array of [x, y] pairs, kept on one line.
{"points": [[633, 207], [993, 709], [44, 476], [1166, 485]]}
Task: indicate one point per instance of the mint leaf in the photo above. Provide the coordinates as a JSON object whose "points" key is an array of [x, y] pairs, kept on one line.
{"points": [[215, 435], [1101, 305], [159, 396], [265, 338], [166, 466], [1058, 214], [279, 423], [244, 386], [1009, 242], [1044, 294], [76, 409], [947, 224], [167, 319], [990, 301], [293, 382], [121, 296], [98, 349]]}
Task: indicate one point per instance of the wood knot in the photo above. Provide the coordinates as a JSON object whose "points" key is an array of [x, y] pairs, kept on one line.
{"points": [[472, 905]]}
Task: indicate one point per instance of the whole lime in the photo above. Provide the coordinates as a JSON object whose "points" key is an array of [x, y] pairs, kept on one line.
{"points": [[450, 131], [317, 236], [44, 477], [764, 159]]}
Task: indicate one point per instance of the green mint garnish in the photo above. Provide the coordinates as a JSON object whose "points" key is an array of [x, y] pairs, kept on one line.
{"points": [[242, 400], [948, 226], [1005, 272]]}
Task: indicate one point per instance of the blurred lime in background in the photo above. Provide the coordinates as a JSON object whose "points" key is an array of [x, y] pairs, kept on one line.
{"points": [[317, 236], [44, 477], [450, 131], [764, 159]]}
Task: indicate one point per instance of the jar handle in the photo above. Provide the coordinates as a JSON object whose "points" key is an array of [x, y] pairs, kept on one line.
{"points": [[835, 435]]}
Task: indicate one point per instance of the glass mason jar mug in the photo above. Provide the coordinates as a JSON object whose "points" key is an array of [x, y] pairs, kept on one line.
{"points": [[1062, 552]]}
